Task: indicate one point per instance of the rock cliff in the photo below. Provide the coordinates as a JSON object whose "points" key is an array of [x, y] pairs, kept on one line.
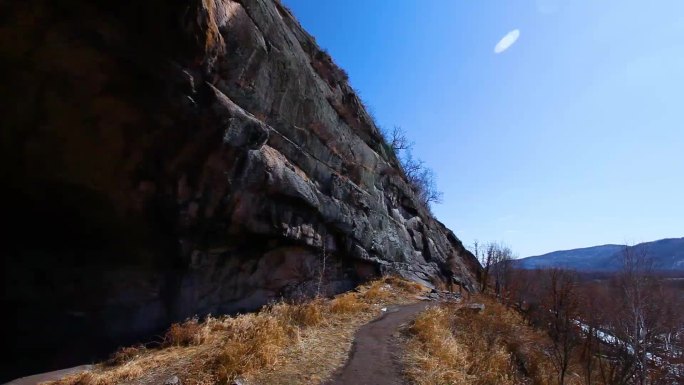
{"points": [[164, 159]]}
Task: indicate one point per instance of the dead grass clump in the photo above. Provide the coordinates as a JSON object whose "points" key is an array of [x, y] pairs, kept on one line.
{"points": [[254, 342], [495, 346], [346, 304], [503, 329], [122, 373], [307, 314], [184, 334], [125, 354], [408, 286], [390, 288], [433, 354], [85, 378], [377, 291]]}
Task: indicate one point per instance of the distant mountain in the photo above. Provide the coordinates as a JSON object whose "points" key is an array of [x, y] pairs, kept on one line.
{"points": [[667, 254]]}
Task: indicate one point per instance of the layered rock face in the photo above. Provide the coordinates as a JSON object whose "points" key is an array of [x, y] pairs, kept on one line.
{"points": [[164, 159]]}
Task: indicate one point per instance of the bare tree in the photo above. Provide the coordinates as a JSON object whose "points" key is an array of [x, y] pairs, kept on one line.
{"points": [[501, 268], [427, 187], [486, 258], [640, 318], [561, 308], [522, 289], [479, 255], [420, 178], [634, 284], [397, 139], [590, 348], [593, 299], [495, 259]]}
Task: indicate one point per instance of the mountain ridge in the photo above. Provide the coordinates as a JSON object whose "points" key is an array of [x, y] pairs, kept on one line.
{"points": [[666, 253]]}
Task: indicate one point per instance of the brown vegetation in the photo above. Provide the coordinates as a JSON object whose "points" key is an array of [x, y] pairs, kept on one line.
{"points": [[281, 344], [551, 327], [622, 329], [451, 345], [187, 333]]}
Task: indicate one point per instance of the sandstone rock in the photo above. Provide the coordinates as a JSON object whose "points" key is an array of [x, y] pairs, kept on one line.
{"points": [[168, 159]]}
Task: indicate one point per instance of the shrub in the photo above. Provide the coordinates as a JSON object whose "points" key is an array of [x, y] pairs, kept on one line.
{"points": [[125, 354], [433, 354], [377, 291], [254, 342], [306, 314], [346, 304], [403, 284], [187, 333], [494, 346]]}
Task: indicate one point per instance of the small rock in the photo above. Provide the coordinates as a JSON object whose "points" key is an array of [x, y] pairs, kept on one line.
{"points": [[173, 381], [383, 309], [475, 307], [454, 296]]}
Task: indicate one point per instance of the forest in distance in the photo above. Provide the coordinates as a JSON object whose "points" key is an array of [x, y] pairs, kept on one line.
{"points": [[619, 327]]}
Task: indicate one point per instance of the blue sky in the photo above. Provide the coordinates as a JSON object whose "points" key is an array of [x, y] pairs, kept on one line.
{"points": [[571, 137]]}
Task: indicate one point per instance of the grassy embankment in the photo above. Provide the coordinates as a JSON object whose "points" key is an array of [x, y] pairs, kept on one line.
{"points": [[281, 344], [448, 344]]}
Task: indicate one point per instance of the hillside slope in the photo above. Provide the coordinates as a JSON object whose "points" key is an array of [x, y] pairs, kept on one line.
{"points": [[667, 254], [164, 159]]}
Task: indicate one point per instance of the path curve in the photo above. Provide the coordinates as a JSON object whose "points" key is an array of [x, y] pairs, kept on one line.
{"points": [[373, 357]]}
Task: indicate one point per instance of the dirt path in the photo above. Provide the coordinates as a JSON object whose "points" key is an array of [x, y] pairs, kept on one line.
{"points": [[372, 360]]}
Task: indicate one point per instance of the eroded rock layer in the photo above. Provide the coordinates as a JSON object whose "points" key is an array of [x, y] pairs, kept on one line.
{"points": [[164, 159]]}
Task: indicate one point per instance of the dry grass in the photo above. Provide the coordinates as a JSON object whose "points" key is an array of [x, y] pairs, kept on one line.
{"points": [[433, 356], [348, 303], [407, 286], [304, 315], [281, 344], [446, 345], [320, 350], [125, 354], [187, 333], [253, 343]]}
